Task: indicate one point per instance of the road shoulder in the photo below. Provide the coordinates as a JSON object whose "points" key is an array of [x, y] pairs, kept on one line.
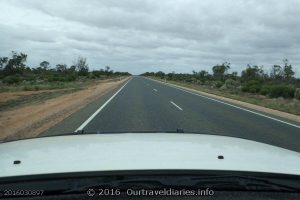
{"points": [[32, 120]]}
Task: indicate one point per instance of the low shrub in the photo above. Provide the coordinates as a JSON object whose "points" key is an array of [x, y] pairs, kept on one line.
{"points": [[36, 88], [12, 79], [265, 90], [30, 78], [285, 91], [297, 93], [253, 86], [71, 78], [275, 91], [218, 84], [26, 88], [61, 78], [230, 84]]}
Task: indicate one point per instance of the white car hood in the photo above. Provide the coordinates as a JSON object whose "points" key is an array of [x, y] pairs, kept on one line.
{"points": [[143, 151]]}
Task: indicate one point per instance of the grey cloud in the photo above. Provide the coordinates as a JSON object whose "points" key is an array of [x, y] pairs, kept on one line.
{"points": [[144, 35], [24, 32]]}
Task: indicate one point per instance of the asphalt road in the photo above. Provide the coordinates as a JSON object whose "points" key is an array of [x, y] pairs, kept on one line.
{"points": [[145, 105]]}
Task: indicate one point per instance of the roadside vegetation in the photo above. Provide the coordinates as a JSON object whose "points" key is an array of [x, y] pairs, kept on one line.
{"points": [[277, 89], [24, 85], [15, 75]]}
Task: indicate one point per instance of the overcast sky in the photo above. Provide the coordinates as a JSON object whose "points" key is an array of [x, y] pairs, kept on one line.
{"points": [[152, 35]]}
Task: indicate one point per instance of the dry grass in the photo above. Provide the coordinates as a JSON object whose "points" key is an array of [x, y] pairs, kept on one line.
{"points": [[29, 120]]}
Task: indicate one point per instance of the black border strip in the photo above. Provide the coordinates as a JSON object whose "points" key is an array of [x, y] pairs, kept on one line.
{"points": [[171, 172]]}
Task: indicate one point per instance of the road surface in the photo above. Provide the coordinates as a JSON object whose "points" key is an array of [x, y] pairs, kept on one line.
{"points": [[144, 105]]}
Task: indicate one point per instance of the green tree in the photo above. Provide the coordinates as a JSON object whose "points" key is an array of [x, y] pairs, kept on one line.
{"points": [[276, 72], [61, 68], [45, 65], [203, 74], [252, 73], [288, 72], [219, 71], [72, 69], [233, 75], [16, 64], [82, 66], [3, 62], [160, 74], [107, 71]]}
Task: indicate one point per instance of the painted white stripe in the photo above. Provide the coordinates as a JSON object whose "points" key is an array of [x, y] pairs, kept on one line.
{"points": [[155, 90], [174, 104], [228, 104], [99, 109]]}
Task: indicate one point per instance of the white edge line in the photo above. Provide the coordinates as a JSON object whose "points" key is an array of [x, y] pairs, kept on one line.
{"points": [[99, 109], [176, 105], [278, 120], [155, 90]]}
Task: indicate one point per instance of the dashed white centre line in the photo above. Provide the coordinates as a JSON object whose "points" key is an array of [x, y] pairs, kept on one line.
{"points": [[174, 104], [155, 90]]}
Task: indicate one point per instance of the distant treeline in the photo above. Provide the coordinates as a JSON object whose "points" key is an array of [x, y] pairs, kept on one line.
{"points": [[13, 70], [279, 82]]}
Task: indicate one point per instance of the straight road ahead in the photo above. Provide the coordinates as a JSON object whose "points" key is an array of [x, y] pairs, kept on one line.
{"points": [[147, 105]]}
